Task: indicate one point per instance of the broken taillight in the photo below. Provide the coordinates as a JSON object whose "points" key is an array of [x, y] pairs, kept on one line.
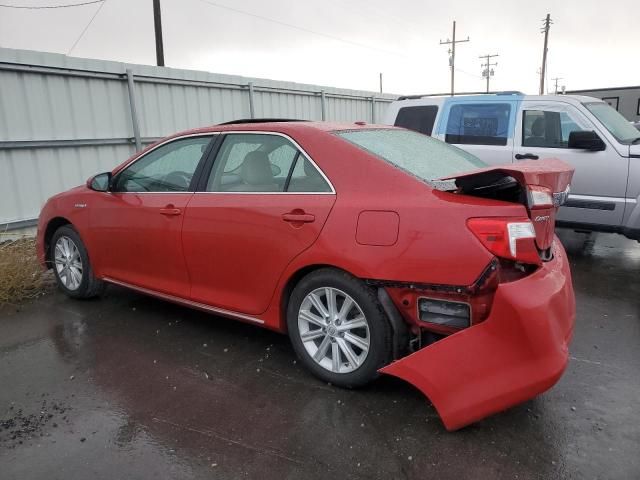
{"points": [[539, 197], [510, 238]]}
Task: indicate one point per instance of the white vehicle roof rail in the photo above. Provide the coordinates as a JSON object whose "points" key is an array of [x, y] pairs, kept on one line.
{"points": [[415, 97]]}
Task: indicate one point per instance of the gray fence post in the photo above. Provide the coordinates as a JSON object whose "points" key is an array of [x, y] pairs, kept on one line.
{"points": [[373, 109], [252, 111], [134, 111], [323, 105]]}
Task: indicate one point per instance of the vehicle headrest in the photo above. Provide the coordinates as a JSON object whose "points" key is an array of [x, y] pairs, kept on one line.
{"points": [[537, 128], [256, 169]]}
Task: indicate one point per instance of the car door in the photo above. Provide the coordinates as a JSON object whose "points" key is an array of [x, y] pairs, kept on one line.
{"points": [[599, 182], [482, 127], [136, 226], [263, 203]]}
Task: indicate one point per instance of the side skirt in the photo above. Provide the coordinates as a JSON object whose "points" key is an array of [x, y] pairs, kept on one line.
{"points": [[187, 303]]}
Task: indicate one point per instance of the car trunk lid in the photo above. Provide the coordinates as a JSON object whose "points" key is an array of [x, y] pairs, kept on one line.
{"points": [[541, 186]]}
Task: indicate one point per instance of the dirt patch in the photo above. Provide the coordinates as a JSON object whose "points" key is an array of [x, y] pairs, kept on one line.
{"points": [[21, 276], [18, 427]]}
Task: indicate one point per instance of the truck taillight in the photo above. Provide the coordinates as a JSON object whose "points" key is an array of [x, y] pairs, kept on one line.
{"points": [[510, 238]]}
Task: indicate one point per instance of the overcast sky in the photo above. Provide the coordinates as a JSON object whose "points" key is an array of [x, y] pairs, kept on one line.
{"points": [[347, 43]]}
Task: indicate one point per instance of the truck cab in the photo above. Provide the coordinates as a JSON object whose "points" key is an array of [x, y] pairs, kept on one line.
{"points": [[509, 127]]}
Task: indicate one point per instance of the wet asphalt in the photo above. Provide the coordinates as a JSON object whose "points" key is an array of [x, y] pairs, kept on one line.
{"points": [[132, 387]]}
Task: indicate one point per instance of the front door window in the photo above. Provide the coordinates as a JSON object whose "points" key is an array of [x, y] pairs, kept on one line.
{"points": [[548, 128], [168, 168]]}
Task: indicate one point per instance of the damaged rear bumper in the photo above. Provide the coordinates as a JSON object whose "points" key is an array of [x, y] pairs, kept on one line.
{"points": [[518, 352]]}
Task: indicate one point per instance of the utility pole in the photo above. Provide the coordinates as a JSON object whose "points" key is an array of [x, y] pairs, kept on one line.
{"points": [[487, 71], [545, 29], [157, 22], [555, 90], [380, 82], [452, 58]]}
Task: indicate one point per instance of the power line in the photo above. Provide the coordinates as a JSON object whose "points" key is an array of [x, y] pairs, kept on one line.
{"points": [[383, 14], [68, 5], [459, 70], [87, 27], [302, 29]]}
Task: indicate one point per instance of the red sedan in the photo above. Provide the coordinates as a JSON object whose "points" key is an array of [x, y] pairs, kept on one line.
{"points": [[377, 249]]}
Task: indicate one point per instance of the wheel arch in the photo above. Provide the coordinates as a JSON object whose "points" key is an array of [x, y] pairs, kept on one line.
{"points": [[54, 224], [400, 330], [291, 283]]}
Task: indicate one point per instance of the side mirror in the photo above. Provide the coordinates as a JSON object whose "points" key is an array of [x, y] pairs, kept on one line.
{"points": [[100, 182], [587, 140]]}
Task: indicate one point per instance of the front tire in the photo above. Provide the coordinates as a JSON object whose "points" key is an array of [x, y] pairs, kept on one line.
{"points": [[338, 328], [71, 265]]}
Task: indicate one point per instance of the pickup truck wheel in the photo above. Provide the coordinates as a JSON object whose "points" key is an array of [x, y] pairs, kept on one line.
{"points": [[338, 328], [71, 265]]}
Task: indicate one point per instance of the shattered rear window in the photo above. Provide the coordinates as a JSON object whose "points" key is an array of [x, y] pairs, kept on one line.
{"points": [[420, 155]]}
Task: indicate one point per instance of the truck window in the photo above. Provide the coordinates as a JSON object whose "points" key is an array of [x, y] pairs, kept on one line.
{"points": [[420, 119], [547, 129], [478, 124]]}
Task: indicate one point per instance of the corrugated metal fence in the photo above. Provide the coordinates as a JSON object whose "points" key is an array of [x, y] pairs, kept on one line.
{"points": [[63, 119]]}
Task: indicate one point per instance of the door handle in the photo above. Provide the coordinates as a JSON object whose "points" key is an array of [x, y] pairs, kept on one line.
{"points": [[170, 210], [526, 156], [295, 217]]}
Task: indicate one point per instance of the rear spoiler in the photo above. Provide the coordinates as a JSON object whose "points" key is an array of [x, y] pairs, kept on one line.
{"points": [[551, 173]]}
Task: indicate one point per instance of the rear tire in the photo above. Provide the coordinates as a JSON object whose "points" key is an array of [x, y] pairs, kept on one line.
{"points": [[71, 265], [338, 328]]}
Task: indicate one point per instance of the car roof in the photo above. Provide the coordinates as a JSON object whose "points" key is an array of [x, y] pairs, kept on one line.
{"points": [[289, 127]]}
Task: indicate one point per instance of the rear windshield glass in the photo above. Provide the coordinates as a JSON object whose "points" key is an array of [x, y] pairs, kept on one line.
{"points": [[420, 155]]}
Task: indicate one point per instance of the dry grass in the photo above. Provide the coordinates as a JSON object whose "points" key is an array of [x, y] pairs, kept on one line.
{"points": [[21, 276]]}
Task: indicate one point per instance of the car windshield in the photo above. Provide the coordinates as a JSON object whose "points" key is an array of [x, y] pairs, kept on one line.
{"points": [[420, 155], [617, 125]]}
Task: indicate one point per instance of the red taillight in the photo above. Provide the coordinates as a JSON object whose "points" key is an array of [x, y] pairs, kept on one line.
{"points": [[511, 238]]}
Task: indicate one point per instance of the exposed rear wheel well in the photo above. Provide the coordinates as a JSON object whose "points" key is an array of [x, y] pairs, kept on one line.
{"points": [[400, 330], [53, 225]]}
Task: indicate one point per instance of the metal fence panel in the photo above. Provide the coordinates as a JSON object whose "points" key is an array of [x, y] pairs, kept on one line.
{"points": [[63, 119], [51, 107], [29, 176]]}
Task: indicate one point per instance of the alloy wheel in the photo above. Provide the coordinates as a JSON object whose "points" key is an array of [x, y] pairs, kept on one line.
{"points": [[334, 330], [68, 263]]}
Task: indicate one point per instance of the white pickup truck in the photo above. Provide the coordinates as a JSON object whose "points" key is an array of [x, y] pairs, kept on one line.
{"points": [[585, 132]]}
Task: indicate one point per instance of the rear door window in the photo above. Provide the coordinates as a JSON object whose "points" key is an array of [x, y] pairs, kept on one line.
{"points": [[264, 163], [478, 124], [252, 163], [420, 118]]}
